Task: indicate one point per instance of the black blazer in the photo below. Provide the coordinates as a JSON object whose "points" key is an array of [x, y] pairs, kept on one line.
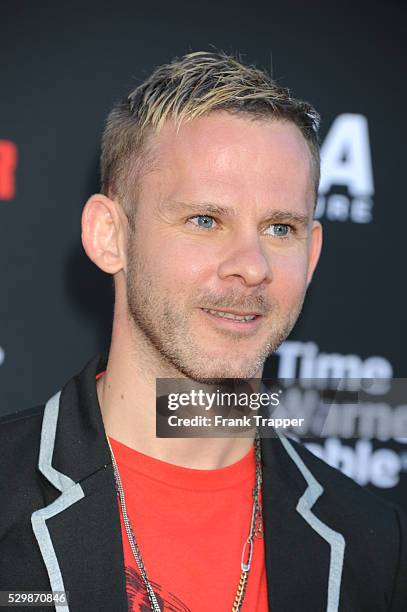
{"points": [[330, 545]]}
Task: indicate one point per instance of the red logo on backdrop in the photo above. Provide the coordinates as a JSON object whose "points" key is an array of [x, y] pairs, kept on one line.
{"points": [[8, 164]]}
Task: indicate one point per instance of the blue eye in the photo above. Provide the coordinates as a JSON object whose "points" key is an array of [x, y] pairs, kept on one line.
{"points": [[204, 221], [281, 230]]}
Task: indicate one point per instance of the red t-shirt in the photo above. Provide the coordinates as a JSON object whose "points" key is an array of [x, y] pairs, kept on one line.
{"points": [[190, 526]]}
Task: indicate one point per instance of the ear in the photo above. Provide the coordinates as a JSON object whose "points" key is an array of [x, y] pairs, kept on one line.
{"points": [[104, 233], [315, 249]]}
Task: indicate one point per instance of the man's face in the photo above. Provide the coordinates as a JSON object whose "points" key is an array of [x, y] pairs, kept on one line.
{"points": [[223, 226]]}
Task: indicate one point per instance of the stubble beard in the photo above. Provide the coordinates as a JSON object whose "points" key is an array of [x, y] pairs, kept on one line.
{"points": [[167, 331]]}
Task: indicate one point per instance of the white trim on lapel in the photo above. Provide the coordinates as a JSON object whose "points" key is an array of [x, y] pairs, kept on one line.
{"points": [[335, 539], [70, 493]]}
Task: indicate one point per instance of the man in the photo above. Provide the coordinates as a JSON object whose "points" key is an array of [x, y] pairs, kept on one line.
{"points": [[209, 180]]}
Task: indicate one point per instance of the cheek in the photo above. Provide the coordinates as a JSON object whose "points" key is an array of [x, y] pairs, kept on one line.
{"points": [[289, 278], [175, 263]]}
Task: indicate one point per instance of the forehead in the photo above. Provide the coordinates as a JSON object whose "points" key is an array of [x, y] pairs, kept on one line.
{"points": [[236, 155]]}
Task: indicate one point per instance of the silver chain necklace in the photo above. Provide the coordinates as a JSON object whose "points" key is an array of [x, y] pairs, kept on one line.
{"points": [[256, 530]]}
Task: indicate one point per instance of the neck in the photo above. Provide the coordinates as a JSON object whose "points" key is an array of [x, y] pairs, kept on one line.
{"points": [[127, 398]]}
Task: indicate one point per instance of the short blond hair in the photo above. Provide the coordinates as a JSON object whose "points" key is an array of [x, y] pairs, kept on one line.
{"points": [[187, 88]]}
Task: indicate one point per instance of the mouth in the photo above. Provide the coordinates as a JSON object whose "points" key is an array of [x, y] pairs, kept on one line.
{"points": [[233, 319]]}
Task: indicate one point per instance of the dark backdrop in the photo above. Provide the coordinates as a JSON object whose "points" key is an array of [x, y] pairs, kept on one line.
{"points": [[64, 64]]}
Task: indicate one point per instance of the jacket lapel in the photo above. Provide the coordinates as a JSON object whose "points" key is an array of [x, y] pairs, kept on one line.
{"points": [[79, 533], [304, 556]]}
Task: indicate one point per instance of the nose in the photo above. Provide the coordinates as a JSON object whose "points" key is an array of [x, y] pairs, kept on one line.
{"points": [[246, 260]]}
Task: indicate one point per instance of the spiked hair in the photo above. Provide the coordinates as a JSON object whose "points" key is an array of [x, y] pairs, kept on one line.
{"points": [[187, 88]]}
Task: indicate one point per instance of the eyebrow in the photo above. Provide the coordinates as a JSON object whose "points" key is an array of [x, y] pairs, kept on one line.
{"points": [[273, 214]]}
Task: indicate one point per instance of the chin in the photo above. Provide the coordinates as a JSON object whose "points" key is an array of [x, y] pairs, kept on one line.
{"points": [[216, 375]]}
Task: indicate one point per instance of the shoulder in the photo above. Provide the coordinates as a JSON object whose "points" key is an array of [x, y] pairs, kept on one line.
{"points": [[18, 422], [374, 530], [364, 518], [20, 435], [20, 416], [338, 490]]}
